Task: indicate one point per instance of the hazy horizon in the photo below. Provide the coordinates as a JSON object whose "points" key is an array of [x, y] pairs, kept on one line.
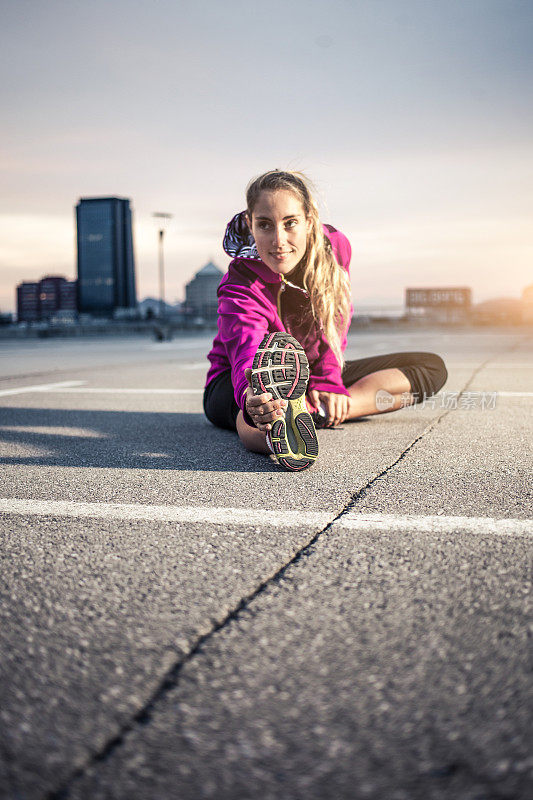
{"points": [[412, 118]]}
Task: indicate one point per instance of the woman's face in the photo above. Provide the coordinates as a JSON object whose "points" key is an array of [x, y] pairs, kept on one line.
{"points": [[280, 227]]}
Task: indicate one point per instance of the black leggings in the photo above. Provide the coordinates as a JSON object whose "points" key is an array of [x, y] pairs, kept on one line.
{"points": [[425, 372]]}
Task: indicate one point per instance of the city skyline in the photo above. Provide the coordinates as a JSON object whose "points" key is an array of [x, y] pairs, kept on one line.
{"points": [[414, 121]]}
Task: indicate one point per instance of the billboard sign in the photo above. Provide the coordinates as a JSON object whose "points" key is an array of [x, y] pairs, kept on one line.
{"points": [[452, 297]]}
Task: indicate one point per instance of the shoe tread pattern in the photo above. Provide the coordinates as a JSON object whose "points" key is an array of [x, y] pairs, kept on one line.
{"points": [[280, 367], [304, 423], [278, 437]]}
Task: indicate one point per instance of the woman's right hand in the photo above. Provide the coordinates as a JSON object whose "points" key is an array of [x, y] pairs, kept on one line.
{"points": [[262, 408]]}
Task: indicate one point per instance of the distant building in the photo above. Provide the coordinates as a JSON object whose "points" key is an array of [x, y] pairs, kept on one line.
{"points": [[201, 293], [106, 269], [498, 311], [56, 294], [447, 304], [527, 304], [28, 302], [68, 296], [41, 300], [150, 308]]}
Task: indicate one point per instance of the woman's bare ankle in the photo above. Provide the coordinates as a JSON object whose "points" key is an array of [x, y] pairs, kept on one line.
{"points": [[252, 438]]}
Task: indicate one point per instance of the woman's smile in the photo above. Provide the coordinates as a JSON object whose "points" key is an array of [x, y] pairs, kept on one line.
{"points": [[282, 256]]}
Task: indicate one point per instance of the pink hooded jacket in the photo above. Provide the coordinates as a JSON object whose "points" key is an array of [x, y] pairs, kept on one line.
{"points": [[249, 306]]}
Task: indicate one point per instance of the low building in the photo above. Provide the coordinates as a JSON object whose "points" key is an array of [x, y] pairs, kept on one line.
{"points": [[498, 311], [40, 301], [150, 308], [201, 293], [68, 296], [28, 301], [439, 304]]}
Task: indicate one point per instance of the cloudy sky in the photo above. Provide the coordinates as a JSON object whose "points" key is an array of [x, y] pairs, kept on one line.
{"points": [[414, 119]]}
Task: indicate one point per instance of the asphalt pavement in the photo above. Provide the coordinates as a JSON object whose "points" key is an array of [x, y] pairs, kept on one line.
{"points": [[182, 619]]}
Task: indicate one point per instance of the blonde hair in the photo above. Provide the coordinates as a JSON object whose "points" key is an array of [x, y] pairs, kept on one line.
{"points": [[326, 282]]}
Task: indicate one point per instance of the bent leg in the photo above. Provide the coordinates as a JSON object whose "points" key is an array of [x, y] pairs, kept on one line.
{"points": [[408, 377], [363, 393]]}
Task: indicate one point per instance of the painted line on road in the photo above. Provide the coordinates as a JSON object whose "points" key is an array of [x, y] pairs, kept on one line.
{"points": [[53, 430], [473, 364], [352, 520], [195, 344], [159, 513], [432, 523], [120, 390], [69, 387], [43, 387], [78, 387], [514, 394]]}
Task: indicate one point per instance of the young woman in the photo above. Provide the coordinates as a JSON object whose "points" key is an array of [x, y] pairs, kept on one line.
{"points": [[277, 367]]}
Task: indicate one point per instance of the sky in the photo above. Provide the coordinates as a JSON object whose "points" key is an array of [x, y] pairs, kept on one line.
{"points": [[413, 119]]}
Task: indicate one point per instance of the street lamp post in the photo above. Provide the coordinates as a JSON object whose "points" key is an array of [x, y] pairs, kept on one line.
{"points": [[162, 220]]}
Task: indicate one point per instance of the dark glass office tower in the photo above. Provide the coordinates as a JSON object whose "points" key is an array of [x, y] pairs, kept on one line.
{"points": [[106, 270]]}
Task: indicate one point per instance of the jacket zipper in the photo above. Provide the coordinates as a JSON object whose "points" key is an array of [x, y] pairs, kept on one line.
{"points": [[283, 286], [281, 289]]}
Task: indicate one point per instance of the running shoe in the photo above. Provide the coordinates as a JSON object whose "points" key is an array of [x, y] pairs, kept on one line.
{"points": [[280, 367]]}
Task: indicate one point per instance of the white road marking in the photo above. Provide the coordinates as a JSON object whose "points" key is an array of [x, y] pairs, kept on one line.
{"points": [[159, 513], [120, 390], [264, 517], [43, 387], [514, 394], [199, 343], [433, 523], [474, 364], [66, 389], [483, 391], [78, 387], [52, 430]]}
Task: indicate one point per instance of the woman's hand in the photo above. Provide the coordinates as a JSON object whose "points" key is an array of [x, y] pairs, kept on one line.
{"points": [[262, 408], [336, 406]]}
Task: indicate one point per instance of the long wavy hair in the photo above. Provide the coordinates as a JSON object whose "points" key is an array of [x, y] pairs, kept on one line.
{"points": [[325, 281]]}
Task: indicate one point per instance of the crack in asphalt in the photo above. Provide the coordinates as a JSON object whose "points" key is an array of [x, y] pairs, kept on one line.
{"points": [[171, 678]]}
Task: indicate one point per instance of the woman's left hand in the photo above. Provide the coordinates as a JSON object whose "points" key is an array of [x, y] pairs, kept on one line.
{"points": [[336, 405]]}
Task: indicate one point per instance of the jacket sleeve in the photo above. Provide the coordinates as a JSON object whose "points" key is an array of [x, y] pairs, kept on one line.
{"points": [[326, 370], [242, 324]]}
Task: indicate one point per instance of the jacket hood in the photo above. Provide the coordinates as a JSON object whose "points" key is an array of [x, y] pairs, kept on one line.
{"points": [[238, 241]]}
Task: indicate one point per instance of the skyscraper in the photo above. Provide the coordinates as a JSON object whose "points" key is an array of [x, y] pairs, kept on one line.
{"points": [[106, 270]]}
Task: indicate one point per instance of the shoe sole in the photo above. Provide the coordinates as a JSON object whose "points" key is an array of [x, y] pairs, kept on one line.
{"points": [[280, 367]]}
